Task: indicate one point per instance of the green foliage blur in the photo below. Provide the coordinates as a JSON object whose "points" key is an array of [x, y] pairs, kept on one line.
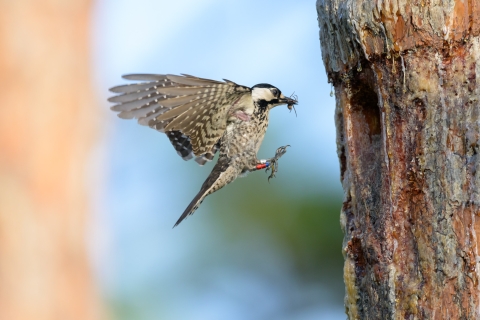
{"points": [[303, 225], [284, 234]]}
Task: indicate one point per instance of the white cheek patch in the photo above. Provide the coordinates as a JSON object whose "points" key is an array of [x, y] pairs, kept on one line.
{"points": [[262, 94]]}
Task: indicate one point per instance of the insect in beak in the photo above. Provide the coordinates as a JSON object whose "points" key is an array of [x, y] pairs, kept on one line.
{"points": [[291, 105]]}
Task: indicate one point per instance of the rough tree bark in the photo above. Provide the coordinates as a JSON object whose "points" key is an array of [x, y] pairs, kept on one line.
{"points": [[406, 76], [47, 130]]}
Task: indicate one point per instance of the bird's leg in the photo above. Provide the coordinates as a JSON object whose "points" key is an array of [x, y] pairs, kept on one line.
{"points": [[272, 163]]}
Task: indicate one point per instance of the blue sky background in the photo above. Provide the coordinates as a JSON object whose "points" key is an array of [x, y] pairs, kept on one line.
{"points": [[196, 271]]}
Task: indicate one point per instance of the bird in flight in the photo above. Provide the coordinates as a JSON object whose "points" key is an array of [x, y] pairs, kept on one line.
{"points": [[201, 117]]}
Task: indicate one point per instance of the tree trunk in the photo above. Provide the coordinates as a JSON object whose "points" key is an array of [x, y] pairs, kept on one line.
{"points": [[47, 126], [406, 82]]}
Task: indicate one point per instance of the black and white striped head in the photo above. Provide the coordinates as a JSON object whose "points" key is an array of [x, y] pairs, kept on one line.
{"points": [[266, 96]]}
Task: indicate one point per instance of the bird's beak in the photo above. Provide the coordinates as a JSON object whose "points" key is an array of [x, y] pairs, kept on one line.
{"points": [[288, 101]]}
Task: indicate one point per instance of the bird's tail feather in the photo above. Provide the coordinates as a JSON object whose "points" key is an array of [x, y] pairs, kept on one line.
{"points": [[192, 206], [222, 174]]}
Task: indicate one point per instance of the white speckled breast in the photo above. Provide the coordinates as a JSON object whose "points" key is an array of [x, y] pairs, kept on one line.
{"points": [[244, 137]]}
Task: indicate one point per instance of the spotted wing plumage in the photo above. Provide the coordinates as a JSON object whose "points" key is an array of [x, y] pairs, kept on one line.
{"points": [[208, 156], [192, 111], [181, 143]]}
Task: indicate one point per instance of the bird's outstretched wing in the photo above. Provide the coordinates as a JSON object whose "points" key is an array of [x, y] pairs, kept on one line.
{"points": [[192, 111]]}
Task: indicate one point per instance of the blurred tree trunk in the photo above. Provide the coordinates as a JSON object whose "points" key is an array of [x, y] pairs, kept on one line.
{"points": [[407, 83], [47, 131]]}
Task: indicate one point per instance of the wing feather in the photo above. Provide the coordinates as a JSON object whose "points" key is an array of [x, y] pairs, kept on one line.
{"points": [[192, 81], [142, 112], [134, 87], [134, 104], [149, 120], [140, 94], [195, 109], [204, 158], [196, 106], [145, 77], [181, 143], [173, 102]]}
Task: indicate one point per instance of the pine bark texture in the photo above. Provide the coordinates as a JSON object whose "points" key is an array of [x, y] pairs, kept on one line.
{"points": [[47, 131], [406, 76]]}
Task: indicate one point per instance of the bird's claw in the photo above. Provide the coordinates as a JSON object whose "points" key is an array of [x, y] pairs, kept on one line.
{"points": [[274, 161]]}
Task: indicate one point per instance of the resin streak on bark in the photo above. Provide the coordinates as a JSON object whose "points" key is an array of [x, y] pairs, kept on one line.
{"points": [[407, 81]]}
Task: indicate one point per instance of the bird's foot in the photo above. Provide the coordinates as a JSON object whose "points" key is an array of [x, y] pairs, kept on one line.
{"points": [[272, 163]]}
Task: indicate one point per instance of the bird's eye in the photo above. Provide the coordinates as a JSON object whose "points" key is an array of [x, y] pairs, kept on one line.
{"points": [[275, 92]]}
